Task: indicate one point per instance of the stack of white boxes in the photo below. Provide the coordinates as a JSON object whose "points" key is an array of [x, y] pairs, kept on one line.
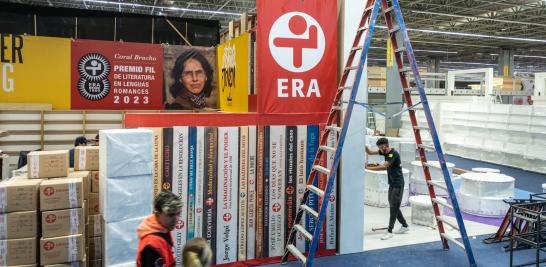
{"points": [[126, 191]]}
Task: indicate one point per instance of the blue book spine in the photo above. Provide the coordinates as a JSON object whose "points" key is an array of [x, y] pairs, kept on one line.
{"points": [[312, 200], [192, 149]]}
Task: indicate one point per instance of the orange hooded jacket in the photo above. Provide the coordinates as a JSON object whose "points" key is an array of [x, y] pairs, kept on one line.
{"points": [[152, 234]]}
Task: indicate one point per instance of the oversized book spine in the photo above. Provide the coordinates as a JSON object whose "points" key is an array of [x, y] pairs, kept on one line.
{"points": [[266, 193], [312, 200], [331, 211], [301, 177], [251, 214], [322, 181], [199, 180], [209, 190], [291, 178], [192, 146], [157, 167], [167, 151], [228, 172], [243, 193], [260, 158], [276, 190], [180, 187]]}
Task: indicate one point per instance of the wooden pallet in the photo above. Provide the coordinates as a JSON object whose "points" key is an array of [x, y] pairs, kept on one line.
{"points": [[238, 27]]}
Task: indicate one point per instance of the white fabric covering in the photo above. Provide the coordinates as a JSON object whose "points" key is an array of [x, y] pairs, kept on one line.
{"points": [[121, 242], [483, 193], [422, 212], [376, 188]]}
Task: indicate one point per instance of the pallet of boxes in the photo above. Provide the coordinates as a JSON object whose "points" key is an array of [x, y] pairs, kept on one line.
{"points": [[86, 166], [62, 209]]}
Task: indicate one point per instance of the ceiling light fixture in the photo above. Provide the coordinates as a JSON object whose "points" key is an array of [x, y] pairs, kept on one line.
{"points": [[474, 35], [477, 18], [529, 56], [419, 50], [172, 8]]}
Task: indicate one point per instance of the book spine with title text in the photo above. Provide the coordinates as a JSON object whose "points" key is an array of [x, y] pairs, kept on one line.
{"points": [[192, 146], [276, 190], [251, 196], [301, 177], [243, 193], [209, 187], [331, 211], [291, 179], [260, 158], [180, 187], [199, 180], [312, 200], [266, 193]]}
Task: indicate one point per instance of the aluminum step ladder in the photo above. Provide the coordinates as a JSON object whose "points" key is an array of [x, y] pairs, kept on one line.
{"points": [[395, 25]]}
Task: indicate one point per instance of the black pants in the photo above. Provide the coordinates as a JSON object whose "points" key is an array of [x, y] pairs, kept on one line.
{"points": [[395, 200]]}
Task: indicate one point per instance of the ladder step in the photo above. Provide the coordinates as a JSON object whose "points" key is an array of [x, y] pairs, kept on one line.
{"points": [[421, 128], [344, 88], [309, 210], [362, 29], [302, 230], [337, 107], [426, 147], [448, 237], [315, 190], [405, 69], [442, 203], [448, 222], [411, 89], [394, 29], [333, 128], [400, 49], [437, 184], [368, 9], [389, 9], [357, 48], [328, 148], [351, 68], [294, 251], [321, 169]]}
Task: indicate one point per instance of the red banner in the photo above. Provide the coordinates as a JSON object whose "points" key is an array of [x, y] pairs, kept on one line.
{"points": [[297, 55], [114, 75]]}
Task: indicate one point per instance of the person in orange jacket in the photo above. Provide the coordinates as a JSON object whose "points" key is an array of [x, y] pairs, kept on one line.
{"points": [[155, 245]]}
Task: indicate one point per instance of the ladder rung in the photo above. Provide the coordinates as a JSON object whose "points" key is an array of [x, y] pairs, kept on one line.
{"points": [[294, 251], [421, 128], [364, 28], [446, 236], [333, 128], [351, 68], [328, 148], [368, 9], [302, 230], [357, 48], [442, 203], [337, 107], [389, 9], [417, 108], [321, 169], [405, 69], [345, 88], [411, 89], [315, 190], [446, 221], [310, 211], [426, 147], [394, 29], [437, 184], [400, 49]]}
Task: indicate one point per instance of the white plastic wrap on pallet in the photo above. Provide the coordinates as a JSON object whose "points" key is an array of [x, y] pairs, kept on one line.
{"points": [[485, 170], [434, 169], [422, 212], [120, 242], [125, 152], [127, 197], [483, 193], [487, 185], [376, 188]]}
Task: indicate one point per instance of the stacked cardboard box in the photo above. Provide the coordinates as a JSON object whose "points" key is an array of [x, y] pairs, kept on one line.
{"points": [[18, 222], [63, 221], [507, 84], [377, 77]]}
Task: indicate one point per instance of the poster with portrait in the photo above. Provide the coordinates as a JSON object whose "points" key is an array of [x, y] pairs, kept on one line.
{"points": [[190, 78]]}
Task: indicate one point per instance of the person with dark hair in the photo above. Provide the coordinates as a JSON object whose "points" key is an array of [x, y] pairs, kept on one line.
{"points": [[197, 253], [97, 140], [193, 77], [393, 166], [154, 233], [80, 141]]}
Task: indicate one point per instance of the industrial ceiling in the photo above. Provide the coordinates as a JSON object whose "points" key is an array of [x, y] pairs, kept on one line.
{"points": [[462, 33]]}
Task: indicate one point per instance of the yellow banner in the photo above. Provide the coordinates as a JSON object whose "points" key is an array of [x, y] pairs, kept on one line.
{"points": [[390, 53], [35, 70], [233, 74]]}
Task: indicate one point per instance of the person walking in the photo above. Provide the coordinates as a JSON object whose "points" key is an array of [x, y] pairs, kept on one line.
{"points": [[395, 175], [154, 233]]}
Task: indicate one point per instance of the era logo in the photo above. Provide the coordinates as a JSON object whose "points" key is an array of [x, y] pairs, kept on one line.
{"points": [[48, 191], [49, 245], [227, 217], [297, 42], [51, 218], [179, 225]]}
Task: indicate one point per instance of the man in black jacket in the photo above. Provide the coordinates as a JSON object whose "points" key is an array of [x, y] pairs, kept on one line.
{"points": [[396, 183]]}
